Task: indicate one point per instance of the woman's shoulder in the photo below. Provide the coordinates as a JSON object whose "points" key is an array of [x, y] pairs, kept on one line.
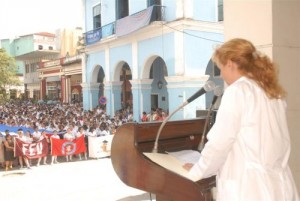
{"points": [[242, 86]]}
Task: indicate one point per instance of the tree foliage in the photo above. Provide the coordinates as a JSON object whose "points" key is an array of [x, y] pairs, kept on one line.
{"points": [[8, 70]]}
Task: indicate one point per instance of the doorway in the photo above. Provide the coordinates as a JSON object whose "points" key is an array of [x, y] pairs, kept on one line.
{"points": [[154, 101]]}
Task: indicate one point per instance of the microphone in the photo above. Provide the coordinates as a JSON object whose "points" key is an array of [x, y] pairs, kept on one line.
{"points": [[209, 86], [218, 91]]}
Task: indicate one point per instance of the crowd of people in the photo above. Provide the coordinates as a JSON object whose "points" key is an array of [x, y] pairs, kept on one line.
{"points": [[59, 117], [64, 121], [157, 114], [68, 121]]}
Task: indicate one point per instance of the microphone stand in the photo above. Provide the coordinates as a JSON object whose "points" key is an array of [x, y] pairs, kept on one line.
{"points": [[210, 85], [208, 116], [218, 93], [155, 149]]}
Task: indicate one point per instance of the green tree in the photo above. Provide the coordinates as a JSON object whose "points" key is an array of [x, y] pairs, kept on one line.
{"points": [[8, 70]]}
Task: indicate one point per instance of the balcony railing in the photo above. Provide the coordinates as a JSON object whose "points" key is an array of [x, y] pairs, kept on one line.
{"points": [[127, 24], [158, 13], [95, 35]]}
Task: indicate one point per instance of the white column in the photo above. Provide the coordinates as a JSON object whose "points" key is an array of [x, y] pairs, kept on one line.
{"points": [[188, 9], [83, 67], [107, 66], [134, 67], [67, 96], [179, 9], [184, 9], [179, 53], [69, 89]]}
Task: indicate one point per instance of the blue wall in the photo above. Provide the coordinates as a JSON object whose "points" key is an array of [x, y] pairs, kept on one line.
{"points": [[136, 6], [170, 9], [205, 10], [119, 54], [108, 12], [90, 97], [89, 13], [10, 50], [160, 46], [23, 45], [94, 59], [198, 49], [197, 53]]}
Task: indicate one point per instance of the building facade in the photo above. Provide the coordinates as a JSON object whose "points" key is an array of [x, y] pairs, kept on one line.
{"points": [[31, 50], [61, 78], [28, 50], [51, 63], [150, 54]]}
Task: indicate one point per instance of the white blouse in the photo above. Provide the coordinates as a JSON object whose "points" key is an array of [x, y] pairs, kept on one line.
{"points": [[248, 147]]}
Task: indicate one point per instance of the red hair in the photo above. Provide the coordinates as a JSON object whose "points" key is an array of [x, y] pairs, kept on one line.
{"points": [[251, 64]]}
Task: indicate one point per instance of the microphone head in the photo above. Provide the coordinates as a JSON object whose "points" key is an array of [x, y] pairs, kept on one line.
{"points": [[209, 86], [218, 91]]}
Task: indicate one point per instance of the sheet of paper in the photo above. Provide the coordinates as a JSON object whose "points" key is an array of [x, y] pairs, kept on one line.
{"points": [[170, 162], [186, 156]]}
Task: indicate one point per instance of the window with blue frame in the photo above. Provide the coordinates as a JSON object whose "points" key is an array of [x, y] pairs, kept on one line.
{"points": [[97, 16]]}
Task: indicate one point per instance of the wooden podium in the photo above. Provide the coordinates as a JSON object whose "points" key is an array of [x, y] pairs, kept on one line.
{"points": [[136, 170]]}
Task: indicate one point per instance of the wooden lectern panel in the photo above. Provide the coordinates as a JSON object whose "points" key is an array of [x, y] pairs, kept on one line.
{"points": [[136, 170]]}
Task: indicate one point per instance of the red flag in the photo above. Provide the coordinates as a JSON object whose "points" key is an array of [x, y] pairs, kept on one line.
{"points": [[63, 147], [31, 150]]}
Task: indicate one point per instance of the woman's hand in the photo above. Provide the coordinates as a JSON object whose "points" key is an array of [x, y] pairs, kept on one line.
{"points": [[188, 166]]}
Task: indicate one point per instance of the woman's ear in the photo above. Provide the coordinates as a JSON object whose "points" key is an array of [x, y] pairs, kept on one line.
{"points": [[232, 65]]}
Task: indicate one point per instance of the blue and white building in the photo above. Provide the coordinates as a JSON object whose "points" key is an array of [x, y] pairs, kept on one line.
{"points": [[150, 53]]}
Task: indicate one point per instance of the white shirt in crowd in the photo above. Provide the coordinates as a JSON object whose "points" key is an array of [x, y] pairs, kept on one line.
{"points": [[68, 136], [36, 135]]}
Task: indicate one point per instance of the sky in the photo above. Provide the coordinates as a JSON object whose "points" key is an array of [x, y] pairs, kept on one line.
{"points": [[22, 17]]}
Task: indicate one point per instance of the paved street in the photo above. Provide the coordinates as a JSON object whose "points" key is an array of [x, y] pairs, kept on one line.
{"points": [[92, 180]]}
